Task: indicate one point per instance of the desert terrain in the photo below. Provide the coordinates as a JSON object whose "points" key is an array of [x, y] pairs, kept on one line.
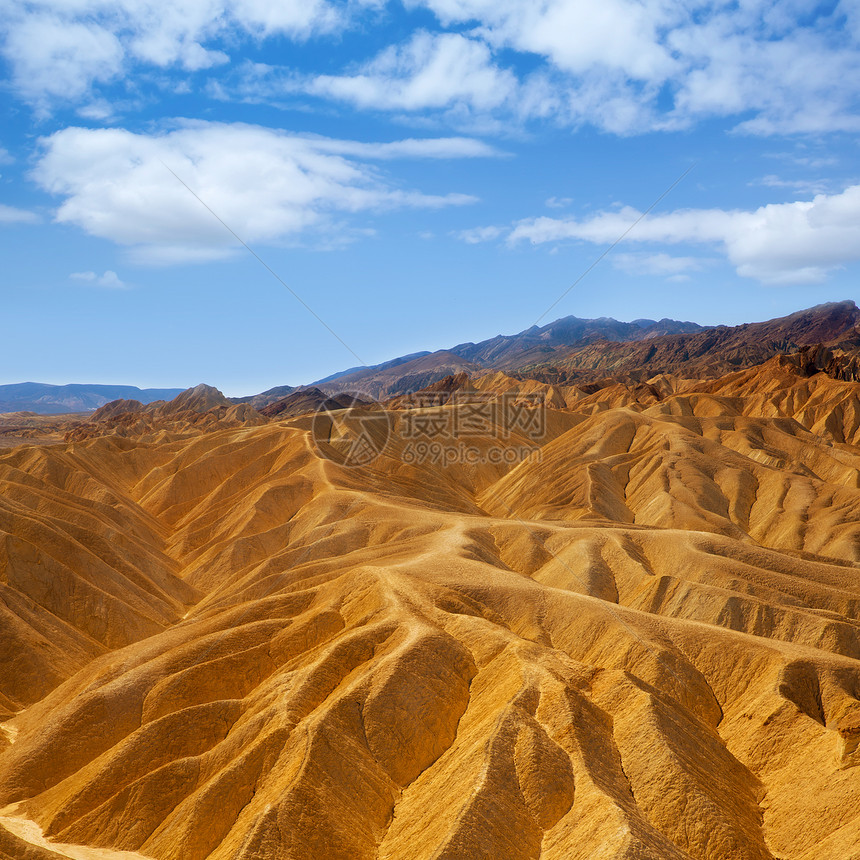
{"points": [[243, 634]]}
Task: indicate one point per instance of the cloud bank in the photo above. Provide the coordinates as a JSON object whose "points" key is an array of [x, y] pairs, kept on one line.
{"points": [[625, 66]]}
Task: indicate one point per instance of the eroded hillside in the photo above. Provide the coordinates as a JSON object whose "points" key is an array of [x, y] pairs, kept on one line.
{"points": [[222, 641]]}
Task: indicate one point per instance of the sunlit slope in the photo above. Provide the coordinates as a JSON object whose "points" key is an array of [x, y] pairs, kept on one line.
{"points": [[83, 568], [826, 406], [767, 481], [646, 645]]}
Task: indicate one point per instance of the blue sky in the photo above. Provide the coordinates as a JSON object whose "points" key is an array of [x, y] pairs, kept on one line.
{"points": [[420, 173]]}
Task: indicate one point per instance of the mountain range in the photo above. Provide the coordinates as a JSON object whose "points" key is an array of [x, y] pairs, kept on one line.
{"points": [[58, 399], [566, 350], [573, 349]]}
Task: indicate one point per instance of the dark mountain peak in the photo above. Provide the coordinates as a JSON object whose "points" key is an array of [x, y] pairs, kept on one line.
{"points": [[280, 390], [826, 323], [311, 399], [271, 395], [116, 407], [454, 382], [539, 344]]}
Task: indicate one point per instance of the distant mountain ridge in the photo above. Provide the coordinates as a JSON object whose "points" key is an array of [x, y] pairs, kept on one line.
{"points": [[567, 350], [47, 399], [708, 353], [507, 351], [534, 345], [573, 349]]}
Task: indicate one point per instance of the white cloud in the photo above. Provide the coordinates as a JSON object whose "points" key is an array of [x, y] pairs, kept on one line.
{"points": [[109, 279], [58, 48], [432, 70], [795, 78], [814, 162], [781, 243], [476, 235], [558, 202], [13, 215], [625, 66], [267, 185], [458, 77], [99, 110], [431, 147], [53, 57], [657, 264], [297, 17], [800, 186], [579, 35]]}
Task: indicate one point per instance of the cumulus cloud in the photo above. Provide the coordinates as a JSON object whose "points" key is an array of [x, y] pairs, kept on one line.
{"points": [[632, 65], [268, 186], [793, 78], [52, 57], [109, 279], [626, 66], [781, 243], [576, 35]]}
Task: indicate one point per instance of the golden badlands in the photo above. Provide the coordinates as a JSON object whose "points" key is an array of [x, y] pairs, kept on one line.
{"points": [[220, 641]]}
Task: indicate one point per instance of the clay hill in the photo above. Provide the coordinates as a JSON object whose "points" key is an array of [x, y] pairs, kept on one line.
{"points": [[225, 636]]}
